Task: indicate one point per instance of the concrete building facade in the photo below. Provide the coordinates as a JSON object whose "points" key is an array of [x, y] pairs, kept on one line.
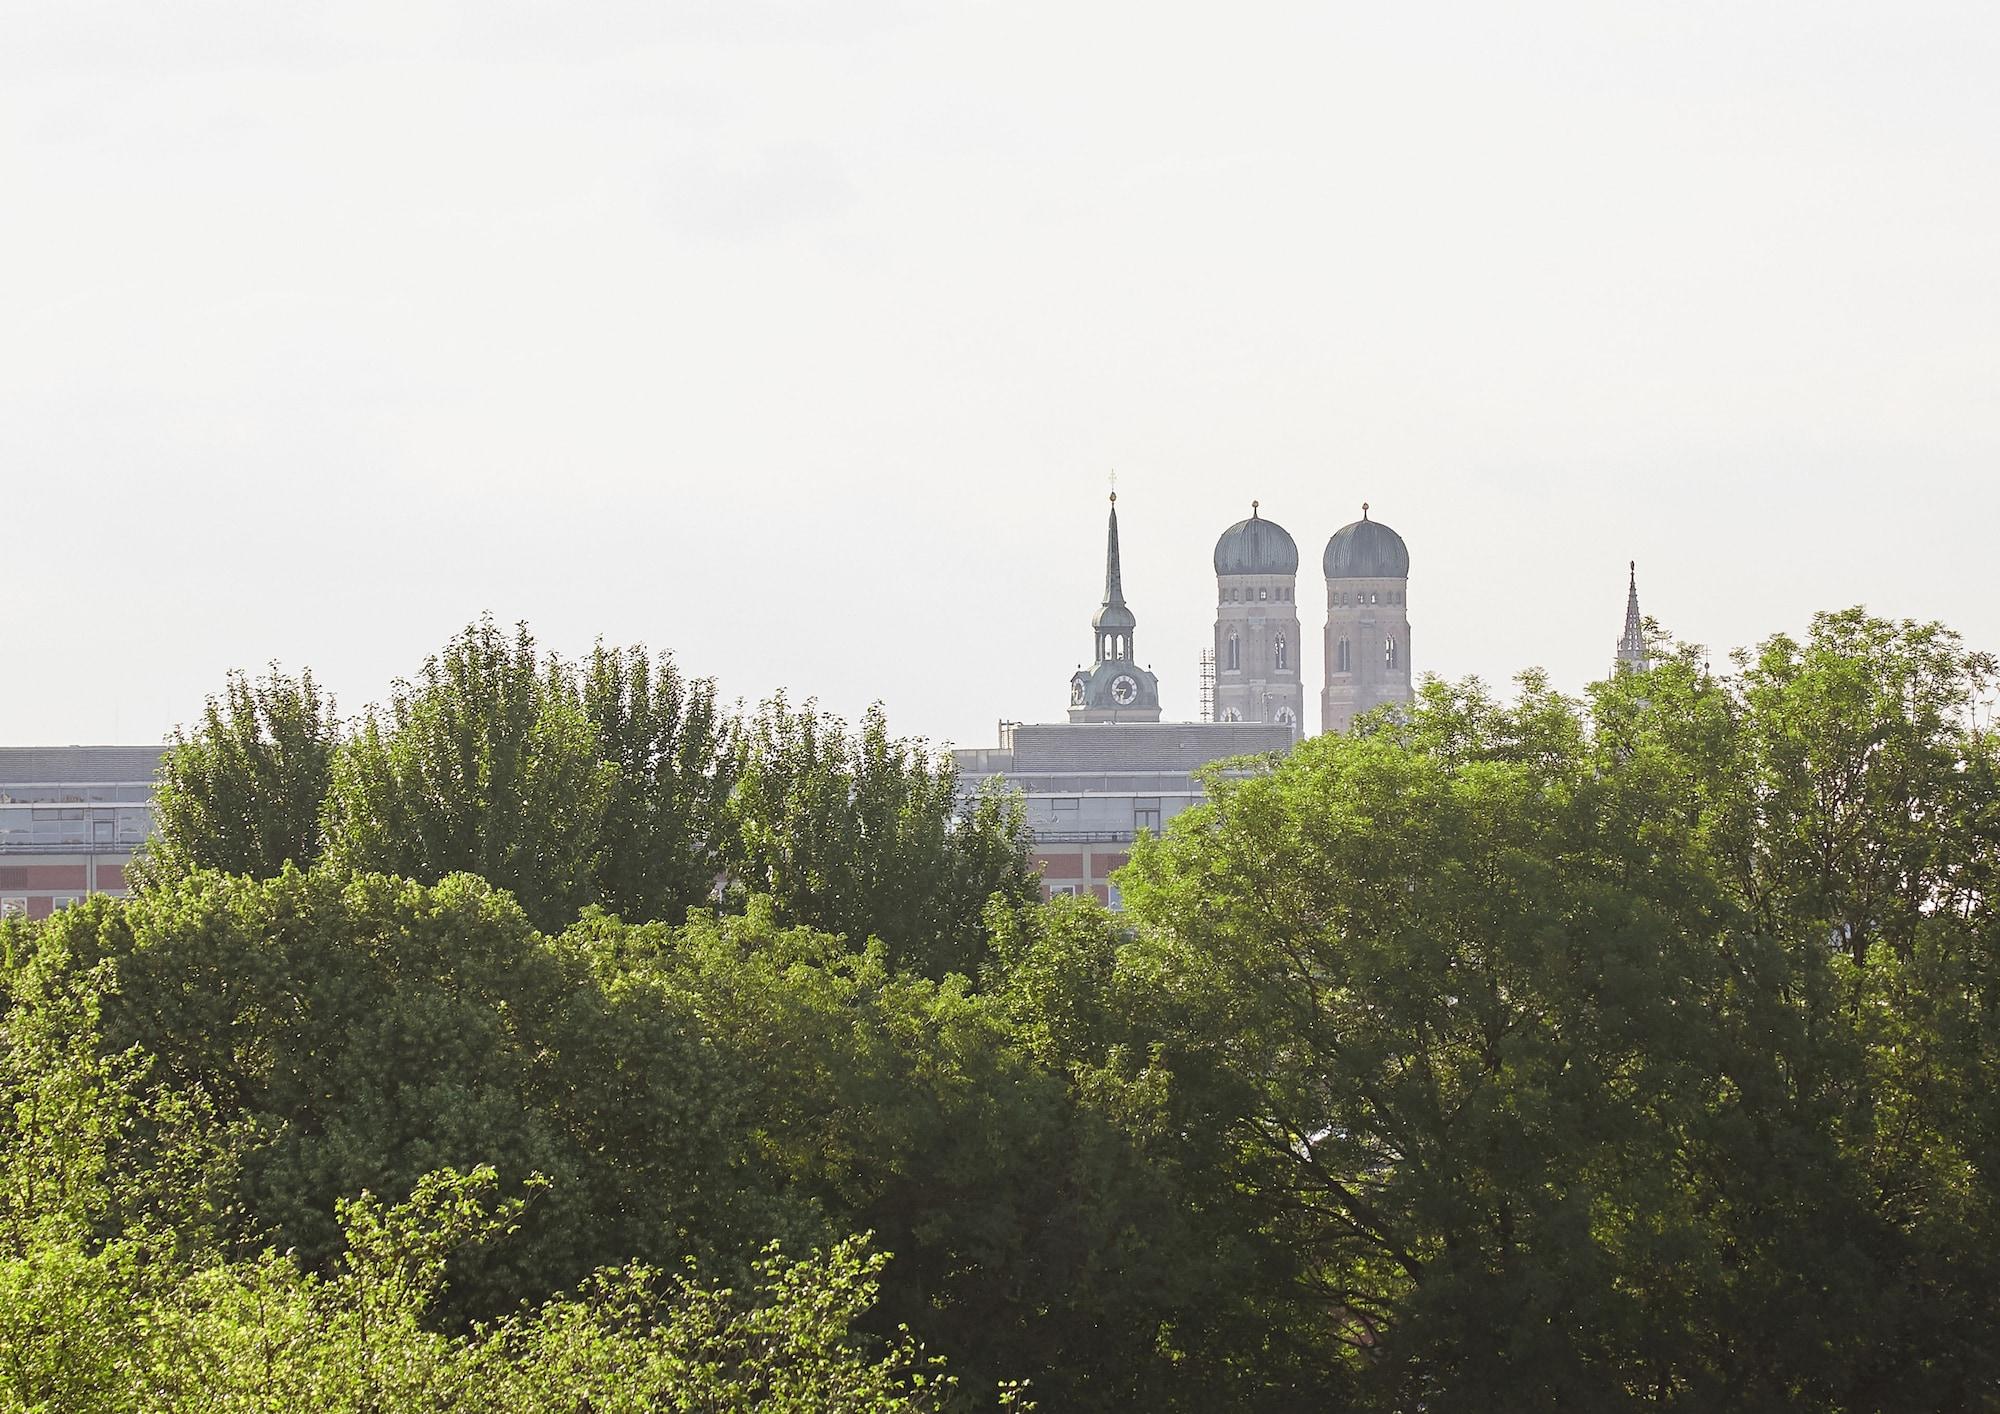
{"points": [[70, 819], [1089, 789]]}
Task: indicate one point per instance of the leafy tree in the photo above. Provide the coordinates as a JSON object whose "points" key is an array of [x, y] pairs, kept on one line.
{"points": [[1842, 792], [244, 791], [102, 1332], [356, 1032], [863, 835], [103, 1308], [1032, 1229], [665, 831], [1445, 1023], [487, 764]]}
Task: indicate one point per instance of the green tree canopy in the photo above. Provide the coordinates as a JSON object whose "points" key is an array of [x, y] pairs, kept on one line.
{"points": [[862, 834], [666, 829], [487, 764], [245, 790]]}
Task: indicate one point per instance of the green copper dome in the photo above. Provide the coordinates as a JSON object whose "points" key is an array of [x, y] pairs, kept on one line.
{"points": [[1366, 549], [1256, 546]]}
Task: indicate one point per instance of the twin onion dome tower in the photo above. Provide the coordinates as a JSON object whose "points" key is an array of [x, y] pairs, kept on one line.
{"points": [[1366, 650]]}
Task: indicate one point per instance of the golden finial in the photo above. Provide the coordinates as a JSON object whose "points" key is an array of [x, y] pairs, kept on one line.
{"points": [[1364, 510], [1253, 509]]}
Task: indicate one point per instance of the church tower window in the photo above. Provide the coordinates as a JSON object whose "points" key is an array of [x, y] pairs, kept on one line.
{"points": [[1389, 651], [1232, 658], [1278, 648], [1341, 658]]}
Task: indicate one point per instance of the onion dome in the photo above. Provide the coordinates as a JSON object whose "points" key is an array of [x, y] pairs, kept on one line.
{"points": [[1366, 549], [1256, 546]]}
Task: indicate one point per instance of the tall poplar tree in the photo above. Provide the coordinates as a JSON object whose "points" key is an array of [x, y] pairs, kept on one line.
{"points": [[244, 790]]}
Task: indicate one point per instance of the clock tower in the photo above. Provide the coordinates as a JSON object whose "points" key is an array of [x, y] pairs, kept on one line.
{"points": [[1115, 688]]}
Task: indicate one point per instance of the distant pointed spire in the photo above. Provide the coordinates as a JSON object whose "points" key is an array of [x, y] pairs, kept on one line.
{"points": [[1632, 646], [1113, 623], [1114, 587]]}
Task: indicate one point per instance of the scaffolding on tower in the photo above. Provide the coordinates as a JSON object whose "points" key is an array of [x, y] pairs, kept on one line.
{"points": [[1208, 684]]}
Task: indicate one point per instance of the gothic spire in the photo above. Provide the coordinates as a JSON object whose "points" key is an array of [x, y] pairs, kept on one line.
{"points": [[1632, 646]]}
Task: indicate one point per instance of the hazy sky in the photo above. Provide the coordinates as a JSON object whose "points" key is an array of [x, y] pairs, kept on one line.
{"points": [[799, 339]]}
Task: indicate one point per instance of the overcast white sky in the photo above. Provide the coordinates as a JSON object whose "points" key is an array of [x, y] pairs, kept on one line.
{"points": [[799, 339]]}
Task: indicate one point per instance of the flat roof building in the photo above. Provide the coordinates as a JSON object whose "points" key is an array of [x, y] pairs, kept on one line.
{"points": [[1090, 785], [1087, 789], [70, 819]]}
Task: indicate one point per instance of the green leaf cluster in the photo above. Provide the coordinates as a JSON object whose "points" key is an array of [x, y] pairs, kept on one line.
{"points": [[616, 783]]}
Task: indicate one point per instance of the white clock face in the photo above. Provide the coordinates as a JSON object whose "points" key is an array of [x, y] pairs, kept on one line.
{"points": [[1124, 690]]}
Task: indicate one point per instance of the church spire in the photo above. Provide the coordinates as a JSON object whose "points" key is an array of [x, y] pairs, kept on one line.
{"points": [[1114, 622], [1114, 688], [1632, 646], [1114, 586]]}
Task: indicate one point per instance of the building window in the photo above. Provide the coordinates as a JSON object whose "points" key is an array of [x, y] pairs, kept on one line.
{"points": [[1286, 717], [1065, 803], [1232, 658], [1146, 814], [1278, 647], [1389, 652], [1230, 714], [1341, 659], [1062, 890], [1263, 594], [13, 908]]}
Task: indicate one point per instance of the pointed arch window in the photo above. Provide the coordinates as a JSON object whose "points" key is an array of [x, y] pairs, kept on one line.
{"points": [[1231, 655], [1278, 651], [1389, 651], [1342, 658]]}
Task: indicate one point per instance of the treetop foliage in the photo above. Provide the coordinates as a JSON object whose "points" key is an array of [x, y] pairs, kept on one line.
{"points": [[1504, 1054], [616, 783]]}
